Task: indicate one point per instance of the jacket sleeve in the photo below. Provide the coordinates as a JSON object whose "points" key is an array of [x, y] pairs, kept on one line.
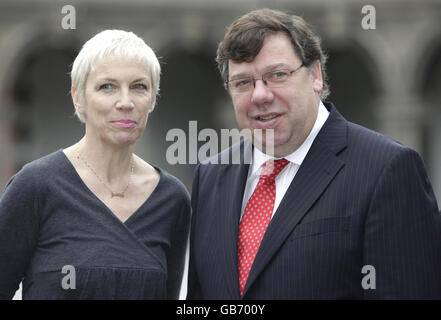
{"points": [[193, 288], [402, 240], [178, 245], [18, 231]]}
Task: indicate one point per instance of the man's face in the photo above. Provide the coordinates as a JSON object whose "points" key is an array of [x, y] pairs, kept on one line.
{"points": [[290, 110]]}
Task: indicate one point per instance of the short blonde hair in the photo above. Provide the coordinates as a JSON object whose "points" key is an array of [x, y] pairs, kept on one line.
{"points": [[120, 43]]}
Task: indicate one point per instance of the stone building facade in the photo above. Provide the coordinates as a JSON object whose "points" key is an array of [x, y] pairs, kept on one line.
{"points": [[387, 78]]}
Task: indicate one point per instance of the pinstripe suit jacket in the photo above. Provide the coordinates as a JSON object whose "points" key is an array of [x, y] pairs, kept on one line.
{"points": [[359, 199]]}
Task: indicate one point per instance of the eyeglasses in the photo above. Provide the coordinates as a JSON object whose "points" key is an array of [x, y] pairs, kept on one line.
{"points": [[272, 79]]}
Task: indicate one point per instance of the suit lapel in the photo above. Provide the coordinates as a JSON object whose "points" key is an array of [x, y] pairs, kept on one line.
{"points": [[314, 175], [231, 186]]}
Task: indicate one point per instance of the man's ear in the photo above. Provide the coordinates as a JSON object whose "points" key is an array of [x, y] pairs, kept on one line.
{"points": [[317, 78]]}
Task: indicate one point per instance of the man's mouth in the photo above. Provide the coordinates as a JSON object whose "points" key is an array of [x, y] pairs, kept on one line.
{"points": [[267, 117]]}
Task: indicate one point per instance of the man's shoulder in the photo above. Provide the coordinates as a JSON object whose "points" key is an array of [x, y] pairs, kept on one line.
{"points": [[362, 145], [230, 162], [378, 150], [358, 136], [368, 139], [239, 153]]}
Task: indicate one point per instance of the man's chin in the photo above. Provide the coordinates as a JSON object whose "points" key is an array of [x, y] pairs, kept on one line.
{"points": [[272, 146], [266, 144]]}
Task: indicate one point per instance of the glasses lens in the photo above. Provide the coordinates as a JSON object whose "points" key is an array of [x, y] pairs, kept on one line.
{"points": [[241, 85], [272, 79], [276, 78]]}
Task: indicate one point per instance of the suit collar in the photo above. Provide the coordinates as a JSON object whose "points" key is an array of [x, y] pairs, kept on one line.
{"points": [[334, 132]]}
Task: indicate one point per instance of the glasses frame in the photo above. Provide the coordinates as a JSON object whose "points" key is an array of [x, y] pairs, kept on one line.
{"points": [[262, 77]]}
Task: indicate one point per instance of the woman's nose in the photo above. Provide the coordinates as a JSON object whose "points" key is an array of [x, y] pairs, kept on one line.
{"points": [[125, 101]]}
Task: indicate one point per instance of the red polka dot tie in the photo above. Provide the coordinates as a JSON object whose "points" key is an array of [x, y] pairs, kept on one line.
{"points": [[256, 218]]}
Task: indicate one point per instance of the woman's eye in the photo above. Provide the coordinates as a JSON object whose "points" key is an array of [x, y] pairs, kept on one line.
{"points": [[140, 86], [106, 86]]}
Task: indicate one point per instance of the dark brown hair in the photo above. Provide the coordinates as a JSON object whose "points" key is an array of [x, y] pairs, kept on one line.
{"points": [[244, 39]]}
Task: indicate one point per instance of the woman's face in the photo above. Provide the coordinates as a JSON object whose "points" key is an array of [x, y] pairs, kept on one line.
{"points": [[117, 100]]}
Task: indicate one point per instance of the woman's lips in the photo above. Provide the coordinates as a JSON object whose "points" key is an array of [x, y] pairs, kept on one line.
{"points": [[124, 123]]}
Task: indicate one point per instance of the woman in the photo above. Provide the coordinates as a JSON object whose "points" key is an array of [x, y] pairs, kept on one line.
{"points": [[95, 221]]}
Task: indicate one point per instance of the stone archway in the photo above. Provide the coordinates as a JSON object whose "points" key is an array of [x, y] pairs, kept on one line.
{"points": [[353, 82], [430, 91], [29, 91], [35, 106]]}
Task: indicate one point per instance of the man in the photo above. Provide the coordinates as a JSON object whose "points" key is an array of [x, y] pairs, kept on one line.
{"points": [[346, 213]]}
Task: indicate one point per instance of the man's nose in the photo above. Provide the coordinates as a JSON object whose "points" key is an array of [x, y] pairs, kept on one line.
{"points": [[261, 94]]}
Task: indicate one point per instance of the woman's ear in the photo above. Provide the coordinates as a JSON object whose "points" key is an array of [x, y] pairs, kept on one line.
{"points": [[78, 102], [152, 106], [75, 99]]}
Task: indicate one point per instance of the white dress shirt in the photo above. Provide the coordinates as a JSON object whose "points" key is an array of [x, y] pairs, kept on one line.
{"points": [[285, 177]]}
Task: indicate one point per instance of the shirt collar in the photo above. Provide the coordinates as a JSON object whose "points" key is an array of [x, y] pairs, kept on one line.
{"points": [[297, 157]]}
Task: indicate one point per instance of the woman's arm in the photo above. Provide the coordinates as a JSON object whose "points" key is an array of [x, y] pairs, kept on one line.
{"points": [[18, 230]]}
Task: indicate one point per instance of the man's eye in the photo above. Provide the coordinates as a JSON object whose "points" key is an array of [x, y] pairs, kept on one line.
{"points": [[277, 75], [242, 83]]}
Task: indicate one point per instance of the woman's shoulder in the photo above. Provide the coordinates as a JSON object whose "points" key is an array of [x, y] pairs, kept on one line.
{"points": [[34, 174], [173, 183], [169, 185], [45, 165], [174, 192]]}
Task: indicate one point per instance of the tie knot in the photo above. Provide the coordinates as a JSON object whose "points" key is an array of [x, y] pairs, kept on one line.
{"points": [[272, 168]]}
